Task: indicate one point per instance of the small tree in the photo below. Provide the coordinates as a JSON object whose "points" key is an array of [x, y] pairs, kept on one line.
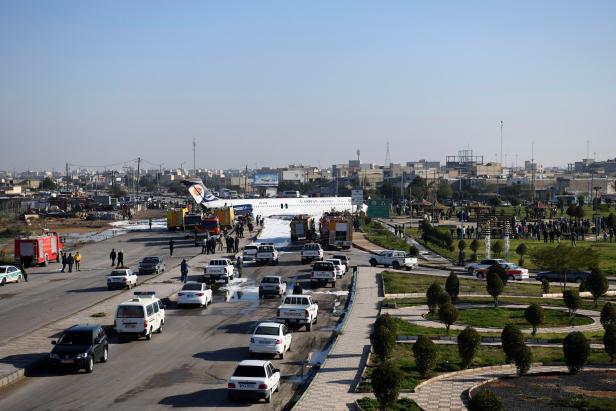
{"points": [[443, 299], [498, 269], [494, 286], [424, 351], [576, 349], [545, 286], [572, 301], [521, 250], [511, 339], [413, 251], [534, 315], [608, 315], [448, 314], [432, 295], [497, 248], [383, 341], [597, 284], [474, 246], [609, 341], [452, 286], [469, 342], [485, 400], [388, 321], [523, 358], [461, 245], [386, 382]]}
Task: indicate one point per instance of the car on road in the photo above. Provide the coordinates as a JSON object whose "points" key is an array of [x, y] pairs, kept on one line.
{"points": [[298, 310], [80, 347], [272, 285], [513, 271], [254, 379], [151, 265], [266, 254], [10, 274], [553, 276], [219, 269], [340, 268], [250, 252], [140, 316], [323, 272], [194, 293], [311, 252], [345, 259], [471, 267], [121, 278], [394, 258], [270, 338]]}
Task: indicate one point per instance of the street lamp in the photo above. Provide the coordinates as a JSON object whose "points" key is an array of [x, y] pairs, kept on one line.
{"points": [[596, 209]]}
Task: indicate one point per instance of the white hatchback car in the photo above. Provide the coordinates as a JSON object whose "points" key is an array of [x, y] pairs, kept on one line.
{"points": [[339, 266], [270, 338], [195, 293], [253, 379], [121, 278]]}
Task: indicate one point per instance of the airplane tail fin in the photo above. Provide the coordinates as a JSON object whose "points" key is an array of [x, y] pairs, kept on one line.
{"points": [[198, 191]]}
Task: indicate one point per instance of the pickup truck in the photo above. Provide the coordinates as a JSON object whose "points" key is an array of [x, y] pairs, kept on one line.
{"points": [[298, 310], [266, 254], [272, 285], [323, 272], [394, 258], [219, 269], [312, 252]]}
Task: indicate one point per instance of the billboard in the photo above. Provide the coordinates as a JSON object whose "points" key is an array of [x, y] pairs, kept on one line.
{"points": [[265, 180], [357, 197], [379, 208]]}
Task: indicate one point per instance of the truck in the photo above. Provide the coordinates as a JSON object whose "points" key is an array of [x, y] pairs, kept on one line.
{"points": [[323, 272], [298, 310], [226, 216], [38, 250], [311, 252], [301, 228], [266, 254], [175, 218], [394, 258], [272, 285], [336, 229], [218, 269]]}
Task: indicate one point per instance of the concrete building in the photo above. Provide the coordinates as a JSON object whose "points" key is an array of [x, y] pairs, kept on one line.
{"points": [[486, 170]]}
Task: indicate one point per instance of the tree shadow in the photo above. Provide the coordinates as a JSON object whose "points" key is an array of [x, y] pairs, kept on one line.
{"points": [[215, 397], [235, 354], [90, 290]]}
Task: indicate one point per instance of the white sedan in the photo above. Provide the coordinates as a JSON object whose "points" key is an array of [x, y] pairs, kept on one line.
{"points": [[270, 338], [253, 379], [121, 278], [340, 267], [195, 293]]}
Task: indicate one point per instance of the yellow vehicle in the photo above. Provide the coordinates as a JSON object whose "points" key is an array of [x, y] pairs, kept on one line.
{"points": [[226, 216], [175, 218]]}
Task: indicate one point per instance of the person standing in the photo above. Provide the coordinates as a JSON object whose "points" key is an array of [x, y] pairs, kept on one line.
{"points": [[77, 261], [184, 270], [64, 262], [240, 264], [24, 274], [171, 247], [112, 256], [70, 260], [236, 244], [120, 259], [150, 223]]}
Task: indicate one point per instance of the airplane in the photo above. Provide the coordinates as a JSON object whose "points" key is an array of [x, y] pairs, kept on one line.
{"points": [[314, 206]]}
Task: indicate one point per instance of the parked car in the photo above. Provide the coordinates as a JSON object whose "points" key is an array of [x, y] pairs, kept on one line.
{"points": [[394, 258], [121, 278], [253, 379], [270, 338], [151, 265], [552, 276], [80, 347], [471, 267], [10, 274], [272, 285], [194, 293], [513, 271], [345, 259]]}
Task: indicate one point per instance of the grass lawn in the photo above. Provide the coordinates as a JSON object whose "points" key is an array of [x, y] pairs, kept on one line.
{"points": [[402, 404], [499, 317], [376, 233], [416, 283]]}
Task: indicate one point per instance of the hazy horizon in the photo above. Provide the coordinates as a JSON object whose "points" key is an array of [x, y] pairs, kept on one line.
{"points": [[276, 83]]}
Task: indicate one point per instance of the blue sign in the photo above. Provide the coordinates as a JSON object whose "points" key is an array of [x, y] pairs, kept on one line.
{"points": [[242, 209]]}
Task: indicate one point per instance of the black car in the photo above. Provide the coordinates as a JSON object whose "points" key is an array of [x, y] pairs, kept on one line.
{"points": [[551, 276], [151, 265], [80, 347]]}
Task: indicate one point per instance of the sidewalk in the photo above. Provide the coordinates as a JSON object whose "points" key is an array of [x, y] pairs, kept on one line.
{"points": [[332, 387]]}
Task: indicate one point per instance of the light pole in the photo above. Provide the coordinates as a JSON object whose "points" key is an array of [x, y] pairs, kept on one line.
{"points": [[596, 209]]}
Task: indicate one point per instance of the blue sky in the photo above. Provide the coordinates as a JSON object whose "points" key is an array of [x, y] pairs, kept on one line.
{"points": [[279, 82]]}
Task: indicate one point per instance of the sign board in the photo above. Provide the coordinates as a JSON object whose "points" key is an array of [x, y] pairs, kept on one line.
{"points": [[379, 208], [265, 180], [357, 197]]}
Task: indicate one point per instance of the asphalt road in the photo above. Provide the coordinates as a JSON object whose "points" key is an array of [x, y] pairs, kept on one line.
{"points": [[51, 295], [188, 365]]}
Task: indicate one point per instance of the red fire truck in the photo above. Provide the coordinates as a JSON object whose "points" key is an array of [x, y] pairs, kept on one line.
{"points": [[38, 250]]}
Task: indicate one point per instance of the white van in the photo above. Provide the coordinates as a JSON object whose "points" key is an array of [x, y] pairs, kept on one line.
{"points": [[141, 316], [291, 194]]}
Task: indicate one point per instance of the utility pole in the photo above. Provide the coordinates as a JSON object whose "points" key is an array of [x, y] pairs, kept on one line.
{"points": [[532, 165], [160, 175], [501, 147], [66, 182], [138, 173], [195, 156], [246, 179]]}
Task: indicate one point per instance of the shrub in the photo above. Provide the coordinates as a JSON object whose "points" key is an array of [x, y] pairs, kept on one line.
{"points": [[448, 314], [500, 271], [383, 341], [572, 301], [388, 322], [534, 315], [545, 286], [521, 250], [386, 381], [576, 350], [461, 245], [494, 286], [485, 400], [469, 342], [474, 246], [497, 248], [452, 286], [608, 314], [523, 358], [609, 341], [597, 284], [413, 251], [424, 351], [511, 339], [432, 295], [442, 299], [436, 236]]}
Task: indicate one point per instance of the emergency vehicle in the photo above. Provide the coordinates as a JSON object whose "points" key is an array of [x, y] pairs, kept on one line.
{"points": [[38, 250]]}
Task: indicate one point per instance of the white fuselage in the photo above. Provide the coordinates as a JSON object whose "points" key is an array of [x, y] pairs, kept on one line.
{"points": [[265, 207]]}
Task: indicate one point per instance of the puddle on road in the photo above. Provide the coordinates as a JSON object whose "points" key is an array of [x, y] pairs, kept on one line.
{"points": [[339, 293], [237, 291]]}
